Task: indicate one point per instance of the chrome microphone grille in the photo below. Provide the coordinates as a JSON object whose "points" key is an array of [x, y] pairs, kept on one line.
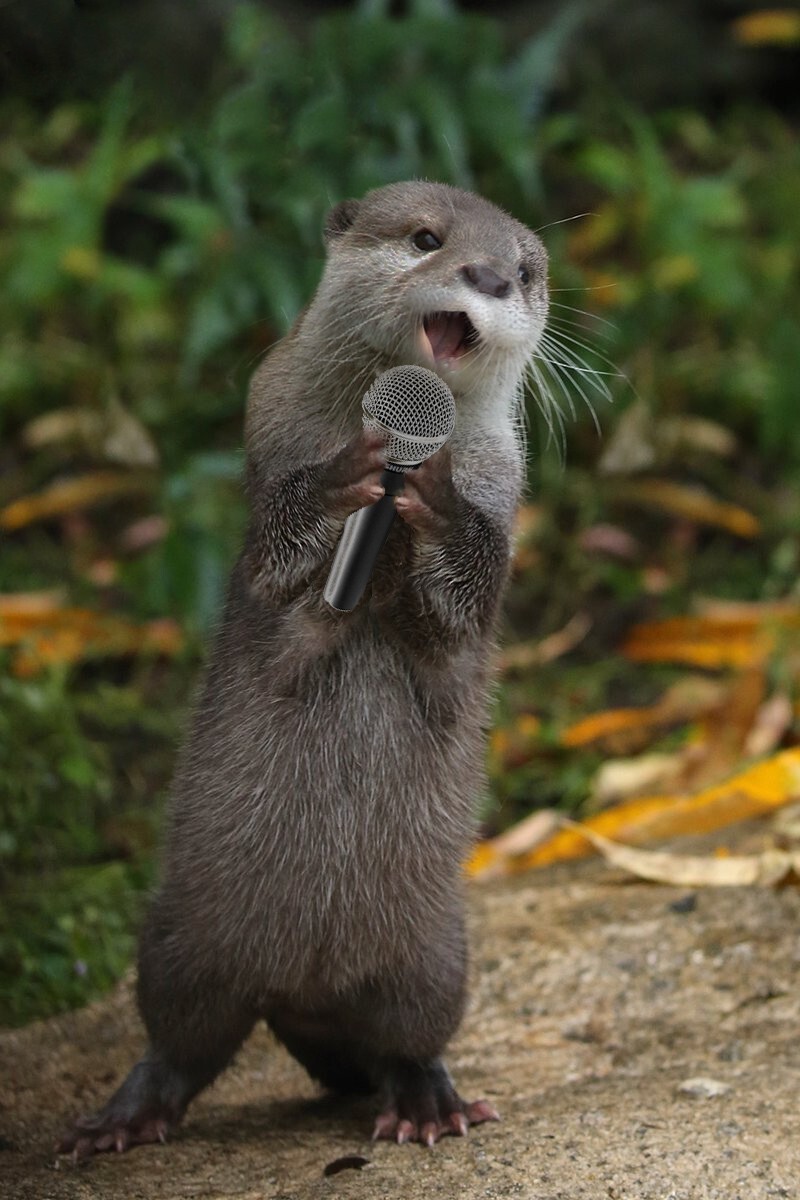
{"points": [[415, 408]]}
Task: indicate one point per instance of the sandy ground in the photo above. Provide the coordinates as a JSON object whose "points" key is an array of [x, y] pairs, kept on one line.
{"points": [[595, 1000]]}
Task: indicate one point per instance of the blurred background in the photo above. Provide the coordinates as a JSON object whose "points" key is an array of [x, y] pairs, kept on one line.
{"points": [[164, 173]]}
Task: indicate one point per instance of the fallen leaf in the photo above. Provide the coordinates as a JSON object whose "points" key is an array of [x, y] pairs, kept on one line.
{"points": [[111, 433], [620, 778], [690, 503], [524, 655], [694, 870], [69, 495], [490, 858], [31, 605], [609, 539], [761, 788], [711, 641], [768, 27], [772, 722], [684, 701], [633, 445], [69, 635]]}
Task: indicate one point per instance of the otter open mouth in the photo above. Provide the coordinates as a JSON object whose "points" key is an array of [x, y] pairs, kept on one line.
{"points": [[448, 335]]}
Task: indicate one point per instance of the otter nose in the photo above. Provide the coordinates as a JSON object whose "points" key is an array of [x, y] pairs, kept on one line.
{"points": [[486, 280]]}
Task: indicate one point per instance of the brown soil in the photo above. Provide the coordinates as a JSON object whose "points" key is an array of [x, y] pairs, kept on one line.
{"points": [[594, 1000]]}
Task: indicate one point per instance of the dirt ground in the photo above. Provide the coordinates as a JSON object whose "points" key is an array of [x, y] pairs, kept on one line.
{"points": [[598, 1004]]}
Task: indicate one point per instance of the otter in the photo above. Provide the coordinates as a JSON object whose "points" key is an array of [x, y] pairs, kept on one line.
{"points": [[324, 800]]}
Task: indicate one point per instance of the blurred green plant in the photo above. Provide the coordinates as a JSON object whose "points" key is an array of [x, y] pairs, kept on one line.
{"points": [[146, 269]]}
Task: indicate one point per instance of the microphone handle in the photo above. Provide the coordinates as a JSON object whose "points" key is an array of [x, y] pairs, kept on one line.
{"points": [[363, 535]]}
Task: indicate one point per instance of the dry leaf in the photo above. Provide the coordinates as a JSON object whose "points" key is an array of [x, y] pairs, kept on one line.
{"points": [[684, 701], [711, 641], [605, 538], [525, 655], [642, 440], [690, 503], [694, 870], [750, 613], [490, 858], [69, 495], [679, 434], [772, 722], [768, 27], [31, 605], [633, 445], [113, 434], [760, 789], [620, 778], [69, 635]]}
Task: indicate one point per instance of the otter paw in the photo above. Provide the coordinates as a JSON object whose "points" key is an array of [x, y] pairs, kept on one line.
{"points": [[93, 1135], [429, 501], [422, 1105], [353, 477]]}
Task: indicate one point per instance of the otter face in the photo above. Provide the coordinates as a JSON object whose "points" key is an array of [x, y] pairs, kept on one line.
{"points": [[441, 278]]}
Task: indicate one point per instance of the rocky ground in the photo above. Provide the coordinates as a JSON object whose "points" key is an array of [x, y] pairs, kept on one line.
{"points": [[641, 1043]]}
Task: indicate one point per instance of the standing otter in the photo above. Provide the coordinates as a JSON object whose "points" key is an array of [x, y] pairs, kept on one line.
{"points": [[324, 801]]}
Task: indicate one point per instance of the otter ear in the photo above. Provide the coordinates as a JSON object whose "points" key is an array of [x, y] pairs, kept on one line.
{"points": [[340, 218]]}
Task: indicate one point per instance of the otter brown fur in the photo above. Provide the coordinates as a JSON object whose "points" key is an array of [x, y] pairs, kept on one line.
{"points": [[324, 801]]}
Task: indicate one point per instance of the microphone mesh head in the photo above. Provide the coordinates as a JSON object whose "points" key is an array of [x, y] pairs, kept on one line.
{"points": [[415, 408]]}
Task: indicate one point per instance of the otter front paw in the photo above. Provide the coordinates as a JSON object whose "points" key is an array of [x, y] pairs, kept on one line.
{"points": [[421, 1104], [429, 500], [352, 478]]}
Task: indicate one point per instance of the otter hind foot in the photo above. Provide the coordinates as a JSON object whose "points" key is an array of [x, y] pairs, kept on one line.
{"points": [[148, 1105], [421, 1104]]}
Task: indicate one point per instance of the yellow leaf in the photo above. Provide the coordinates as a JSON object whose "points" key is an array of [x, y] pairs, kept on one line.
{"points": [[761, 788], [24, 605], [69, 635], [71, 495], [682, 702], [601, 725], [738, 640], [492, 857], [691, 503], [769, 27]]}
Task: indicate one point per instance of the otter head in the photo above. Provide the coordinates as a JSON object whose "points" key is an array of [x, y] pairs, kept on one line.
{"points": [[429, 274]]}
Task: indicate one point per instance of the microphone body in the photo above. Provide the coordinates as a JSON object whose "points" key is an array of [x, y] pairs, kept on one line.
{"points": [[417, 412], [363, 536]]}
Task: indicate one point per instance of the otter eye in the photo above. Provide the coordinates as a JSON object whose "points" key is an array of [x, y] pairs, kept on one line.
{"points": [[423, 239], [523, 274]]}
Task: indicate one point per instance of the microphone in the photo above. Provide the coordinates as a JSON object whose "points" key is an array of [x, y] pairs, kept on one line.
{"points": [[418, 413]]}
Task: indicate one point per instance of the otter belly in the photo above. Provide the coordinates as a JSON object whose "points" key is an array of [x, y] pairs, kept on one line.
{"points": [[345, 810]]}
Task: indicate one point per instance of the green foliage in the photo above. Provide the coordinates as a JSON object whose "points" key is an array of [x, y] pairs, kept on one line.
{"points": [[69, 939], [80, 762], [148, 263], [696, 246]]}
